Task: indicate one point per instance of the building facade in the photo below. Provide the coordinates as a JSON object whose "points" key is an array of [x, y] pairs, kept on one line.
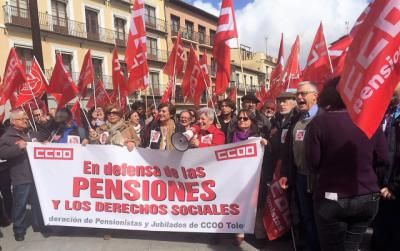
{"points": [[72, 27]]}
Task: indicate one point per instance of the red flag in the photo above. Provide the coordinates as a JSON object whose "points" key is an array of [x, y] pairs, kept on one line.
{"points": [[86, 76], [337, 53], [291, 73], [233, 94], [226, 30], [176, 59], [123, 102], [204, 68], [76, 113], [372, 69], [14, 77], [166, 98], [193, 83], [276, 74], [212, 100], [276, 215], [61, 84], [360, 20], [34, 87], [101, 96], [136, 50], [319, 68], [119, 82]]}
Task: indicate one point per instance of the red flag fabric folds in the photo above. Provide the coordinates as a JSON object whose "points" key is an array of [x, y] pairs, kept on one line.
{"points": [[372, 69], [136, 50], [291, 73], [176, 59], [61, 85], [226, 30], [86, 76], [34, 87], [101, 96], [318, 68], [193, 83], [14, 77]]}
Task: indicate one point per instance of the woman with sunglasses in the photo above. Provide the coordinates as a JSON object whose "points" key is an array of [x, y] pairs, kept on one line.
{"points": [[245, 128], [115, 131]]}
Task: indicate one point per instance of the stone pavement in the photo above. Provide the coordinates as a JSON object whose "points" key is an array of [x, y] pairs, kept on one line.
{"points": [[77, 239]]}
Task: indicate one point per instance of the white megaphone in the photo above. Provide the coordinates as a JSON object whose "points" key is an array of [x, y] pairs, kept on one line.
{"points": [[180, 140]]}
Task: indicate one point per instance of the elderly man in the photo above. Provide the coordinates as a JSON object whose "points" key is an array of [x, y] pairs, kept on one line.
{"points": [[207, 133], [185, 119], [295, 169], [249, 102], [13, 149]]}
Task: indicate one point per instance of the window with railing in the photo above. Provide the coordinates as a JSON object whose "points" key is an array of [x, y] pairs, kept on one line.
{"points": [[20, 12], [150, 16], [175, 23], [119, 25], [124, 68], [59, 16], [92, 24], [202, 34], [251, 84], [26, 56], [213, 67], [212, 36], [189, 30], [151, 44], [155, 82]]}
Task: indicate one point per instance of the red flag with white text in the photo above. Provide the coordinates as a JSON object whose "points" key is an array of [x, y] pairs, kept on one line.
{"points": [[291, 73], [176, 59], [166, 97], [337, 53], [119, 82], [193, 82], [318, 68], [372, 68], [14, 77], [61, 85], [136, 50], [226, 30], [86, 76]]}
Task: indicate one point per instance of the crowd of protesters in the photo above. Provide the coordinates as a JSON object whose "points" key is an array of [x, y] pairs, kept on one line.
{"points": [[339, 181]]}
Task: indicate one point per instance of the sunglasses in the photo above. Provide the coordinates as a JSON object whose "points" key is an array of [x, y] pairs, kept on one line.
{"points": [[243, 118], [114, 113]]}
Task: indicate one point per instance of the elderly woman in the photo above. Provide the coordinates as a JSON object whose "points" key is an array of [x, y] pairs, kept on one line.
{"points": [[207, 133], [115, 131], [158, 133]]}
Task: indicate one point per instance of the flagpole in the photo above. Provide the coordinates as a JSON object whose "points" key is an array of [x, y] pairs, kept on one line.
{"points": [[152, 93], [174, 75], [119, 96], [34, 123], [84, 114], [241, 65], [29, 120], [94, 95]]}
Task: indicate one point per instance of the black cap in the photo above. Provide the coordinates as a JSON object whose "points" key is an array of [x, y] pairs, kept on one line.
{"points": [[286, 95], [250, 97]]}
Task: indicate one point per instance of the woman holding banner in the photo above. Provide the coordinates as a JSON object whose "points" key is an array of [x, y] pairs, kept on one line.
{"points": [[115, 131], [245, 128]]}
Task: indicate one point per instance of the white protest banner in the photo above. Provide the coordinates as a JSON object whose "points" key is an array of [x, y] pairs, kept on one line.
{"points": [[211, 189]]}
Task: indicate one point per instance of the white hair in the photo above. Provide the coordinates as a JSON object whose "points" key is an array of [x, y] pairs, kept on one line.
{"points": [[208, 112], [313, 86], [16, 115]]}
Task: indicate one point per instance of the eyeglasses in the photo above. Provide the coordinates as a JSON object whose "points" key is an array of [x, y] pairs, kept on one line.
{"points": [[243, 118], [303, 94], [22, 119], [115, 113]]}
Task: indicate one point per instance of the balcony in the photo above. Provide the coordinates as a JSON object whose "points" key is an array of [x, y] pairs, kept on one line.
{"points": [[192, 36], [155, 24], [63, 26], [157, 55]]}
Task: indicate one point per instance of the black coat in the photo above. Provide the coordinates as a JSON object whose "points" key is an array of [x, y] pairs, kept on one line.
{"points": [[17, 159]]}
